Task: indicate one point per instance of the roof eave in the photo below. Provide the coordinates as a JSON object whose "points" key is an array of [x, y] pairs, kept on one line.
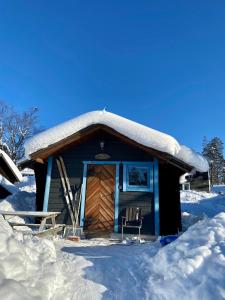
{"points": [[42, 154]]}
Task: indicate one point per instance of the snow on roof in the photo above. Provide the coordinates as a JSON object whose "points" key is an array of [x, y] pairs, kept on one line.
{"points": [[141, 134], [11, 165], [8, 185], [183, 178]]}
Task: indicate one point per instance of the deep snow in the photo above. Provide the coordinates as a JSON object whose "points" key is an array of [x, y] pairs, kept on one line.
{"points": [[219, 189], [192, 267]]}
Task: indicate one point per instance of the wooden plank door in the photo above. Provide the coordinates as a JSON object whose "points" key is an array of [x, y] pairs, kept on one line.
{"points": [[99, 205]]}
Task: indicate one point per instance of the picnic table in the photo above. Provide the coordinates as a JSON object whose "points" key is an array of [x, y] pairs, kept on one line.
{"points": [[52, 228]]}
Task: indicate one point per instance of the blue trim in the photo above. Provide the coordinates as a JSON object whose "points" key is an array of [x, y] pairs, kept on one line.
{"points": [[102, 162], [156, 196], [83, 195], [127, 187], [47, 184], [116, 200], [137, 163]]}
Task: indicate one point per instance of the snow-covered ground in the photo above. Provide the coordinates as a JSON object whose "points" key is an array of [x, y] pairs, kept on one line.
{"points": [[197, 205], [192, 267], [219, 188]]}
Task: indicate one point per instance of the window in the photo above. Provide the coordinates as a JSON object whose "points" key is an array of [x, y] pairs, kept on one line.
{"points": [[186, 186], [137, 176]]}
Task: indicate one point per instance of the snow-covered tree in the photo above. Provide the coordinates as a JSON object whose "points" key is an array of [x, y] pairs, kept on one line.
{"points": [[213, 151], [15, 128]]}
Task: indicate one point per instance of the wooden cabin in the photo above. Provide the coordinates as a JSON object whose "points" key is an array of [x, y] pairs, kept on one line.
{"points": [[199, 181], [112, 164]]}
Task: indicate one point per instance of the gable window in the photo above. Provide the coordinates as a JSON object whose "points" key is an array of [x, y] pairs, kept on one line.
{"points": [[137, 176]]}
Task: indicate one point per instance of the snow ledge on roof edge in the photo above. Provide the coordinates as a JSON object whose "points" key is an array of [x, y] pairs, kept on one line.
{"points": [[11, 165], [135, 131]]}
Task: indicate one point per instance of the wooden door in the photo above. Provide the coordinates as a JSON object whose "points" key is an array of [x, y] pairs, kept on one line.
{"points": [[99, 205]]}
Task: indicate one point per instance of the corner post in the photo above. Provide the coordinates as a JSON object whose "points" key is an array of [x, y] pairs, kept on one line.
{"points": [[47, 184], [156, 197], [83, 195], [116, 210]]}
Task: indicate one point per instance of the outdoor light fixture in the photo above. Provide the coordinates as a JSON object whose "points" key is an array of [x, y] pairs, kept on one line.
{"points": [[102, 155], [102, 144]]}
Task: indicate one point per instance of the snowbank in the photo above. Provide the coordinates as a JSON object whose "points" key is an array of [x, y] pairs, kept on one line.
{"points": [[192, 267], [22, 198], [23, 195], [196, 205], [137, 132], [27, 184], [29, 269], [219, 189]]}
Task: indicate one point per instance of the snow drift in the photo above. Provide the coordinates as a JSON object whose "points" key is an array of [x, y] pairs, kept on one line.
{"points": [[28, 267], [192, 267], [135, 131]]}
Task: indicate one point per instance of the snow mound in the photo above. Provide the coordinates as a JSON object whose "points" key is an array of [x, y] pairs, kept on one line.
{"points": [[29, 268], [192, 267], [202, 203], [22, 198], [219, 189], [27, 184], [137, 132]]}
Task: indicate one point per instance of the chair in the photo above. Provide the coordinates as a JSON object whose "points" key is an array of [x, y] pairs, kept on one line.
{"points": [[132, 219]]}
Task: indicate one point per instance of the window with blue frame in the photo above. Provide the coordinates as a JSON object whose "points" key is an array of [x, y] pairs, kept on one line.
{"points": [[137, 176]]}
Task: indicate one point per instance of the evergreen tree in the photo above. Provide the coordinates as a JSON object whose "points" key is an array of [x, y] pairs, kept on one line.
{"points": [[213, 151]]}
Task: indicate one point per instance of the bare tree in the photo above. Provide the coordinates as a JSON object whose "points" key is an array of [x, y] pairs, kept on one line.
{"points": [[15, 129]]}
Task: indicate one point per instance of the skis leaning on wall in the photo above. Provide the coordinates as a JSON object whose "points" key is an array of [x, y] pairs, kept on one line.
{"points": [[67, 191]]}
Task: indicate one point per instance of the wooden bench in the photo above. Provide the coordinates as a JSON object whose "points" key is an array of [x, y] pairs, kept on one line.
{"points": [[52, 228]]}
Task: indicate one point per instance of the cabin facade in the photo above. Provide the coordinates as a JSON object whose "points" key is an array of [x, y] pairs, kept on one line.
{"points": [[108, 173]]}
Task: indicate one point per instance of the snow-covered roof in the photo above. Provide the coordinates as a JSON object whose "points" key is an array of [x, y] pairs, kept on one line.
{"points": [[183, 178], [8, 185], [141, 134], [11, 165]]}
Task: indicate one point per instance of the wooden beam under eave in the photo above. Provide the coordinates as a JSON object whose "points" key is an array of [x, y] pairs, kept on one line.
{"points": [[67, 142], [80, 136], [39, 160]]}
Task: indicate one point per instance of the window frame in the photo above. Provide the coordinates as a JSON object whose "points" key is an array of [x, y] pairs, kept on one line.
{"points": [[185, 184], [136, 188]]}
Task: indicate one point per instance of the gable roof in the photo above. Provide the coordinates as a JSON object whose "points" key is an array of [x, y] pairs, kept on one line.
{"points": [[139, 133], [8, 168]]}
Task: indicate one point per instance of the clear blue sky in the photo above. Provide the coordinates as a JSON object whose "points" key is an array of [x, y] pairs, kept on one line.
{"points": [[161, 63]]}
